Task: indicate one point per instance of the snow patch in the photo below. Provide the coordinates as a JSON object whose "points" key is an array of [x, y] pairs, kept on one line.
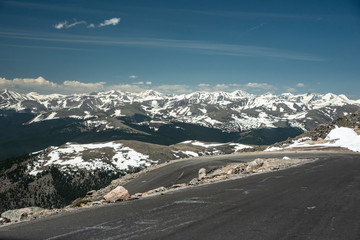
{"points": [[339, 137], [238, 146], [107, 156]]}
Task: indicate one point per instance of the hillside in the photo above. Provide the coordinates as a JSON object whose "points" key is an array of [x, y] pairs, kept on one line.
{"points": [[31, 122], [55, 176], [342, 132]]}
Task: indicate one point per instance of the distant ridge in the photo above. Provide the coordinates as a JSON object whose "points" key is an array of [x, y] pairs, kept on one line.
{"points": [[228, 111]]}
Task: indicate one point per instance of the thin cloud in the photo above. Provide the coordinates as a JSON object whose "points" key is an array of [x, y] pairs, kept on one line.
{"points": [[256, 27], [127, 88], [254, 15], [61, 7], [300, 85], [78, 84], [221, 86], [65, 24], [47, 47], [264, 86], [171, 89], [195, 46], [132, 76], [203, 85], [112, 21], [291, 90]]}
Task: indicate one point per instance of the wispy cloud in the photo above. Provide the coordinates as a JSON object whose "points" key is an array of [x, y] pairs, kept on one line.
{"points": [[48, 47], [52, 6], [300, 85], [264, 86], [229, 87], [256, 27], [171, 89], [65, 24], [201, 47], [143, 83], [291, 90], [254, 15], [132, 76], [127, 88], [112, 21]]}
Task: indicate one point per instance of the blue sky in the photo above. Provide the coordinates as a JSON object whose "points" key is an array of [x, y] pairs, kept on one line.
{"points": [[180, 46]]}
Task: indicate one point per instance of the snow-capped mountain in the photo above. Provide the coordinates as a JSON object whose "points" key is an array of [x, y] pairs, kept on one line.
{"points": [[228, 111]]}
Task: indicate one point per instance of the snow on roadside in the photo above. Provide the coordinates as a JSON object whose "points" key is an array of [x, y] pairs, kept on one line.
{"points": [[339, 137], [345, 137]]}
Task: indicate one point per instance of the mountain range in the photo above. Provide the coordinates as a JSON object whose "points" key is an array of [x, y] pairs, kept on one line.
{"points": [[31, 122], [83, 142]]}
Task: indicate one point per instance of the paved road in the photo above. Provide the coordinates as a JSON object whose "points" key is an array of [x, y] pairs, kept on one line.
{"points": [[318, 200], [184, 171]]}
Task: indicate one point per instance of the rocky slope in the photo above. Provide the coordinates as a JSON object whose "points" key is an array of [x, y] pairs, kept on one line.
{"points": [[342, 132], [56, 176]]}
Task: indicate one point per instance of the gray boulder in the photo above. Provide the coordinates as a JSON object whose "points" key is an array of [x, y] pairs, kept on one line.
{"points": [[20, 214]]}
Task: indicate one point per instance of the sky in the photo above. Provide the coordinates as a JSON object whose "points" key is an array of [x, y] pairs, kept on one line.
{"points": [[82, 46]]}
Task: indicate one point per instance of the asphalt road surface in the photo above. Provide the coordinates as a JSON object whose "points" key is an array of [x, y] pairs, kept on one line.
{"points": [[184, 171], [318, 200]]}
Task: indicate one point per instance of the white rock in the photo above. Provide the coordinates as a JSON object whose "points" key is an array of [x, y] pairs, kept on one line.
{"points": [[20, 214], [202, 173], [119, 193], [254, 164]]}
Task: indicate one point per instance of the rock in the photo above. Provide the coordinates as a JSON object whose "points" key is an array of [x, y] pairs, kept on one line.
{"points": [[4, 221], [119, 193], [20, 214], [136, 195], [178, 185], [231, 171], [159, 189], [238, 170], [45, 212], [202, 173], [253, 165], [90, 193], [194, 181]]}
